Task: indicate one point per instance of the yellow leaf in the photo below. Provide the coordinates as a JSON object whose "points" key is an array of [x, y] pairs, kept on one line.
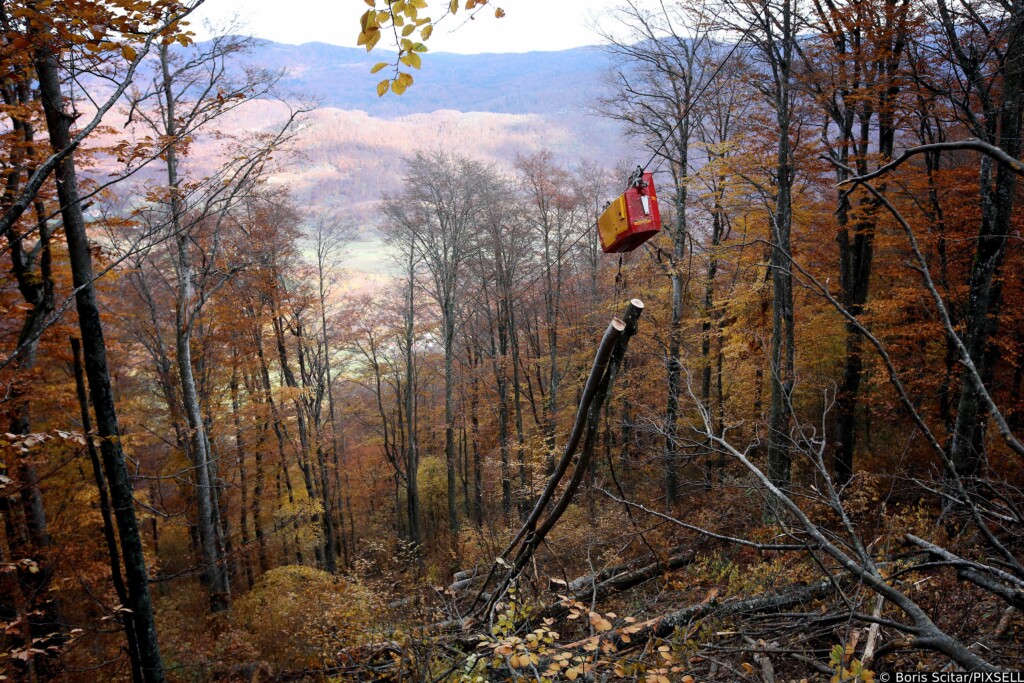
{"points": [[378, 66], [453, 7], [408, 30], [414, 60], [368, 20], [382, 87], [129, 52], [427, 30]]}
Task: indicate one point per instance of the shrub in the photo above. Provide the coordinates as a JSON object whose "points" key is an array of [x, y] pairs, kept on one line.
{"points": [[300, 617]]}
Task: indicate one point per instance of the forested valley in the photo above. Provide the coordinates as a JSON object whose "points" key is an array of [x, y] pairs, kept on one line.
{"points": [[780, 441]]}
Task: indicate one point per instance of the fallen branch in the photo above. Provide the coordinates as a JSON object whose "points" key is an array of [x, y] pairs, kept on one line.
{"points": [[979, 574], [583, 584], [597, 587], [665, 625]]}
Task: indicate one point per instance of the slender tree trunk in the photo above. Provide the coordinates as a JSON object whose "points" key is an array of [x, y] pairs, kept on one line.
{"points": [[313, 409], [552, 307], [95, 356], [856, 254], [36, 287], [331, 412], [243, 483], [499, 355], [710, 324], [412, 467], [278, 425], [116, 575], [478, 495], [675, 341], [782, 343], [448, 324], [262, 556], [216, 573], [208, 521], [517, 403], [985, 287]]}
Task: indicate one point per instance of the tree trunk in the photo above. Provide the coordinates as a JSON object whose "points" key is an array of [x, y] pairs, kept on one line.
{"points": [[331, 415], [782, 343], [412, 466], [95, 355], [985, 287], [116, 575], [675, 342], [448, 325], [216, 573], [243, 483]]}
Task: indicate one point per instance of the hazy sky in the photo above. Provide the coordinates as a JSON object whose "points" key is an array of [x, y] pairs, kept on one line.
{"points": [[528, 24]]}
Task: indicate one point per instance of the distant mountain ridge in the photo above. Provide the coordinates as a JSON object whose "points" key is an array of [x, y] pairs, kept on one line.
{"points": [[547, 83], [350, 151]]}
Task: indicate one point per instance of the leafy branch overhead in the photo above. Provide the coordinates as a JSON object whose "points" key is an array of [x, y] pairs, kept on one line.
{"points": [[410, 33]]}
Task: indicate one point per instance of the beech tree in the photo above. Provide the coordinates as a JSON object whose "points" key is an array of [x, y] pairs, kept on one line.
{"points": [[860, 98], [186, 95], [977, 45], [62, 143], [657, 85], [441, 204]]}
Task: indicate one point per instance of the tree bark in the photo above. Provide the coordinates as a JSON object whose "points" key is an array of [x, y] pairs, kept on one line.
{"points": [[779, 50], [985, 287], [95, 355], [116, 575]]}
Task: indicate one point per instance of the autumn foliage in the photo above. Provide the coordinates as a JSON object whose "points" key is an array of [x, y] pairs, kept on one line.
{"points": [[251, 464]]}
